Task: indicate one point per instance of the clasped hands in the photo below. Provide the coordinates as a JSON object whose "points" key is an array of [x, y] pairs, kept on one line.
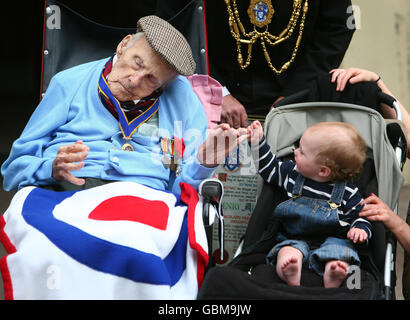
{"points": [[220, 142]]}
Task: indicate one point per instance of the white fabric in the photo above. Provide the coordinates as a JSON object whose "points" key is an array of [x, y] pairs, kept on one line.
{"points": [[108, 242]]}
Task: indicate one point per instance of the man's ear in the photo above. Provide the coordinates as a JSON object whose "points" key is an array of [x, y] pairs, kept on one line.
{"points": [[121, 46], [325, 171]]}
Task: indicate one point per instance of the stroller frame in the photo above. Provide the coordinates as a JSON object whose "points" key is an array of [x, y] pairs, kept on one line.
{"points": [[283, 149], [389, 265]]}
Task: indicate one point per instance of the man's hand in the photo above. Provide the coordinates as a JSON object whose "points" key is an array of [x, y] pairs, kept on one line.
{"points": [[220, 142], [233, 112], [70, 158]]}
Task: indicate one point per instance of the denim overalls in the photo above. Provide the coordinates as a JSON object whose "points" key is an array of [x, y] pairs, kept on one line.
{"points": [[308, 218]]}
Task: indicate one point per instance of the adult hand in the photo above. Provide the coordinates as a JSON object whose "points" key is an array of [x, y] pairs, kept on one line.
{"points": [[376, 210], [276, 101], [233, 112], [353, 75], [70, 158], [220, 142]]}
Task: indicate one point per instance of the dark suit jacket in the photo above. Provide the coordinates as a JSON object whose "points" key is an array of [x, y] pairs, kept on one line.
{"points": [[325, 40]]}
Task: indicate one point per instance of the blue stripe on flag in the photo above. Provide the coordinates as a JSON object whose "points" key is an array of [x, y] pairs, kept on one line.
{"points": [[100, 254]]}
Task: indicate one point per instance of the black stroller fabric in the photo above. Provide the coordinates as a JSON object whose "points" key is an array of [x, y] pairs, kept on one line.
{"points": [[249, 277], [82, 40], [363, 93], [263, 283]]}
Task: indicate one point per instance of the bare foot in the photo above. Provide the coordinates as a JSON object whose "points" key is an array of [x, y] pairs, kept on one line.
{"points": [[335, 273], [289, 265]]}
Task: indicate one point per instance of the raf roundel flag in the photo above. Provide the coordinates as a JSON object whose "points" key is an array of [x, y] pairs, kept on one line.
{"points": [[121, 240]]}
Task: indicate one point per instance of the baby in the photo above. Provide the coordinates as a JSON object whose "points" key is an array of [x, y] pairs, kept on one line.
{"points": [[320, 220]]}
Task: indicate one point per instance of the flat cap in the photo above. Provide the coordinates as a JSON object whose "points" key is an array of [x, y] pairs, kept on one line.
{"points": [[168, 43]]}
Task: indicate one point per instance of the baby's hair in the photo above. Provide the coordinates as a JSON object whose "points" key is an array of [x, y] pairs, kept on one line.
{"points": [[343, 150]]}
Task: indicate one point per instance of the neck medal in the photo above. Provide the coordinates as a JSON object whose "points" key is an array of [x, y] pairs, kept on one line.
{"points": [[127, 128], [260, 12]]}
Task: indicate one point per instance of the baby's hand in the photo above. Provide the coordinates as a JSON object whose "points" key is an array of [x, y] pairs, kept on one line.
{"points": [[255, 132], [357, 235]]}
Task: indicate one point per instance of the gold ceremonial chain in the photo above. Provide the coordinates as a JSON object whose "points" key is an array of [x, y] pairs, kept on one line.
{"points": [[260, 13]]}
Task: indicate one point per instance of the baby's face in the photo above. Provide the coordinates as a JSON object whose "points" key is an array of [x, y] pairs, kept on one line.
{"points": [[305, 155]]}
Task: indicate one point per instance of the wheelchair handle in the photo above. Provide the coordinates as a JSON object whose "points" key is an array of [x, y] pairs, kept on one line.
{"points": [[212, 192]]}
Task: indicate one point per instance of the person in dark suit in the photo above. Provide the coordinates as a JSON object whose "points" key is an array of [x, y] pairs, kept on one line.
{"points": [[325, 34]]}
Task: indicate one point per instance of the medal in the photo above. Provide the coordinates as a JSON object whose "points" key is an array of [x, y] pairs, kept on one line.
{"points": [[172, 150], [127, 128], [127, 147], [164, 149], [260, 12]]}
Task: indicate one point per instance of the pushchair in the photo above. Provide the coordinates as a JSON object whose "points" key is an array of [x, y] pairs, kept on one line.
{"points": [[248, 276]]}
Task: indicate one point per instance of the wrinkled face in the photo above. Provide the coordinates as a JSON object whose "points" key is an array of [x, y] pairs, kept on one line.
{"points": [[305, 155], [139, 71]]}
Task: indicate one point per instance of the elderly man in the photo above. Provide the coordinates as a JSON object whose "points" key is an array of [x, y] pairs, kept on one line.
{"points": [[132, 120], [133, 117]]}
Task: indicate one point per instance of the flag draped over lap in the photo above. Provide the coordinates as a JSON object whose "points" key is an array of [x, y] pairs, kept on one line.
{"points": [[121, 240]]}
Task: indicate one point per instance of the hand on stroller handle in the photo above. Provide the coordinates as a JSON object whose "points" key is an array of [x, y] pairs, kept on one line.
{"points": [[351, 75], [391, 107]]}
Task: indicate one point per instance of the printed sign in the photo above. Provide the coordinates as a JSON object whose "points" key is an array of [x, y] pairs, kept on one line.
{"points": [[240, 180]]}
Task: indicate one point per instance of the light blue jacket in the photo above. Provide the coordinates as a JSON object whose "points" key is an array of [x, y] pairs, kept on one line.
{"points": [[72, 110]]}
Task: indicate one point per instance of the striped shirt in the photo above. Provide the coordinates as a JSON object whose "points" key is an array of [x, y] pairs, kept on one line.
{"points": [[284, 174]]}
